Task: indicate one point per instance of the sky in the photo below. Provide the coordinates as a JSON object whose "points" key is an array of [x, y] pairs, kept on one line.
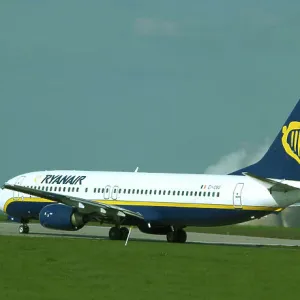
{"points": [[169, 86]]}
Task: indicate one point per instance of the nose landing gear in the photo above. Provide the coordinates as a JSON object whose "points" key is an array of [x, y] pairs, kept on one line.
{"points": [[24, 229]]}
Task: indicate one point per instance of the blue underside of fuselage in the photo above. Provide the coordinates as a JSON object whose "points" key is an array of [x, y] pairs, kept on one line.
{"points": [[158, 214]]}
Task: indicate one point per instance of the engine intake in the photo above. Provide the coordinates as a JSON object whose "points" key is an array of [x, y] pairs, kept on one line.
{"points": [[61, 217]]}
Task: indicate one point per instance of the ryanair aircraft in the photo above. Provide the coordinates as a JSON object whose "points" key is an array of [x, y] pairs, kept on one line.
{"points": [[159, 203]]}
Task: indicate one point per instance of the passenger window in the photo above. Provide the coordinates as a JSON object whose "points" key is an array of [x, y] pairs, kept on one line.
{"points": [[46, 189], [182, 193], [102, 190], [69, 189], [199, 194], [99, 190], [218, 194], [120, 191], [174, 193], [59, 188], [124, 191], [159, 192], [204, 194], [64, 189], [213, 194], [154, 192], [187, 193], [115, 190], [164, 192], [178, 193], [150, 192], [146, 192], [95, 190], [77, 189], [142, 192], [133, 191], [55, 188], [208, 194], [195, 194], [86, 190], [191, 193], [128, 191]]}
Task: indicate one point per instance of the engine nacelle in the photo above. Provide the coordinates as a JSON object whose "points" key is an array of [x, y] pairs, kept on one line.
{"points": [[154, 229], [61, 217]]}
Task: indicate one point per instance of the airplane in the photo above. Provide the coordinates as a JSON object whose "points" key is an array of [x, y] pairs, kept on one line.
{"points": [[159, 203]]}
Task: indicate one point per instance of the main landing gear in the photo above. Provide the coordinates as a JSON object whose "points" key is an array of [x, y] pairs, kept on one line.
{"points": [[177, 236], [24, 229], [118, 233]]}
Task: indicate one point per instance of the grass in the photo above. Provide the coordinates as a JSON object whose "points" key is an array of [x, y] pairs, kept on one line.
{"points": [[50, 269]]}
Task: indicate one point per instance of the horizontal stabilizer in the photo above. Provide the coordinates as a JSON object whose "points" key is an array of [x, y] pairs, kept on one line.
{"points": [[271, 184]]}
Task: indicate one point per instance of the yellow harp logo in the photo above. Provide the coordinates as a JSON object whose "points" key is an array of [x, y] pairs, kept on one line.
{"points": [[291, 140]]}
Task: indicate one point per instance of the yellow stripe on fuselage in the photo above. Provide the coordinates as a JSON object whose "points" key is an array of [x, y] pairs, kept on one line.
{"points": [[25, 199], [153, 204]]}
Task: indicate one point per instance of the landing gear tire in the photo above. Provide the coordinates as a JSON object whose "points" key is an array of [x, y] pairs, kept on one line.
{"points": [[177, 236], [124, 233], [24, 229], [171, 236], [181, 236], [115, 233]]}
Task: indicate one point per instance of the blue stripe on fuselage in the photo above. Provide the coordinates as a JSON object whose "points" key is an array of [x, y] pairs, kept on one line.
{"points": [[166, 215]]}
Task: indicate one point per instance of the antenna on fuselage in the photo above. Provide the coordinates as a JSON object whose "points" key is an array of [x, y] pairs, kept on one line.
{"points": [[136, 170]]}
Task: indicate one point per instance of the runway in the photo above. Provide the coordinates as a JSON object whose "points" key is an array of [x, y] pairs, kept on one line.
{"points": [[101, 233]]}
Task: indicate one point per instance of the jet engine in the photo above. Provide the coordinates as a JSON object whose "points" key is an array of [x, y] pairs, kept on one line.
{"points": [[61, 217]]}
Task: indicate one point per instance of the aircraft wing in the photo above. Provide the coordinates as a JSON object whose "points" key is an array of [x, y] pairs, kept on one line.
{"points": [[83, 205]]}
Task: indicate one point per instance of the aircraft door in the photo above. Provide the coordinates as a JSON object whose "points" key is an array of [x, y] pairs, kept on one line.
{"points": [[114, 192], [237, 196], [106, 193], [19, 181]]}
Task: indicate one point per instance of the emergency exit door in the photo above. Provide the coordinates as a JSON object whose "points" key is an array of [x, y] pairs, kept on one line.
{"points": [[237, 196]]}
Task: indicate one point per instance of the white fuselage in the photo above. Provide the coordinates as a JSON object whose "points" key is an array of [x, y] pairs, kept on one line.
{"points": [[204, 200]]}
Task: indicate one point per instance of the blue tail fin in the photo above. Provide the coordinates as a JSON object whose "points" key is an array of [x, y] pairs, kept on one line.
{"points": [[282, 160]]}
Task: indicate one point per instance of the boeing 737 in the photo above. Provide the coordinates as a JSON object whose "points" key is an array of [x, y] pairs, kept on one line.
{"points": [[159, 203]]}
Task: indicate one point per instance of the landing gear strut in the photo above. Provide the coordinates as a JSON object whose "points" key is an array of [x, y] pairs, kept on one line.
{"points": [[24, 229], [117, 233], [177, 236]]}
